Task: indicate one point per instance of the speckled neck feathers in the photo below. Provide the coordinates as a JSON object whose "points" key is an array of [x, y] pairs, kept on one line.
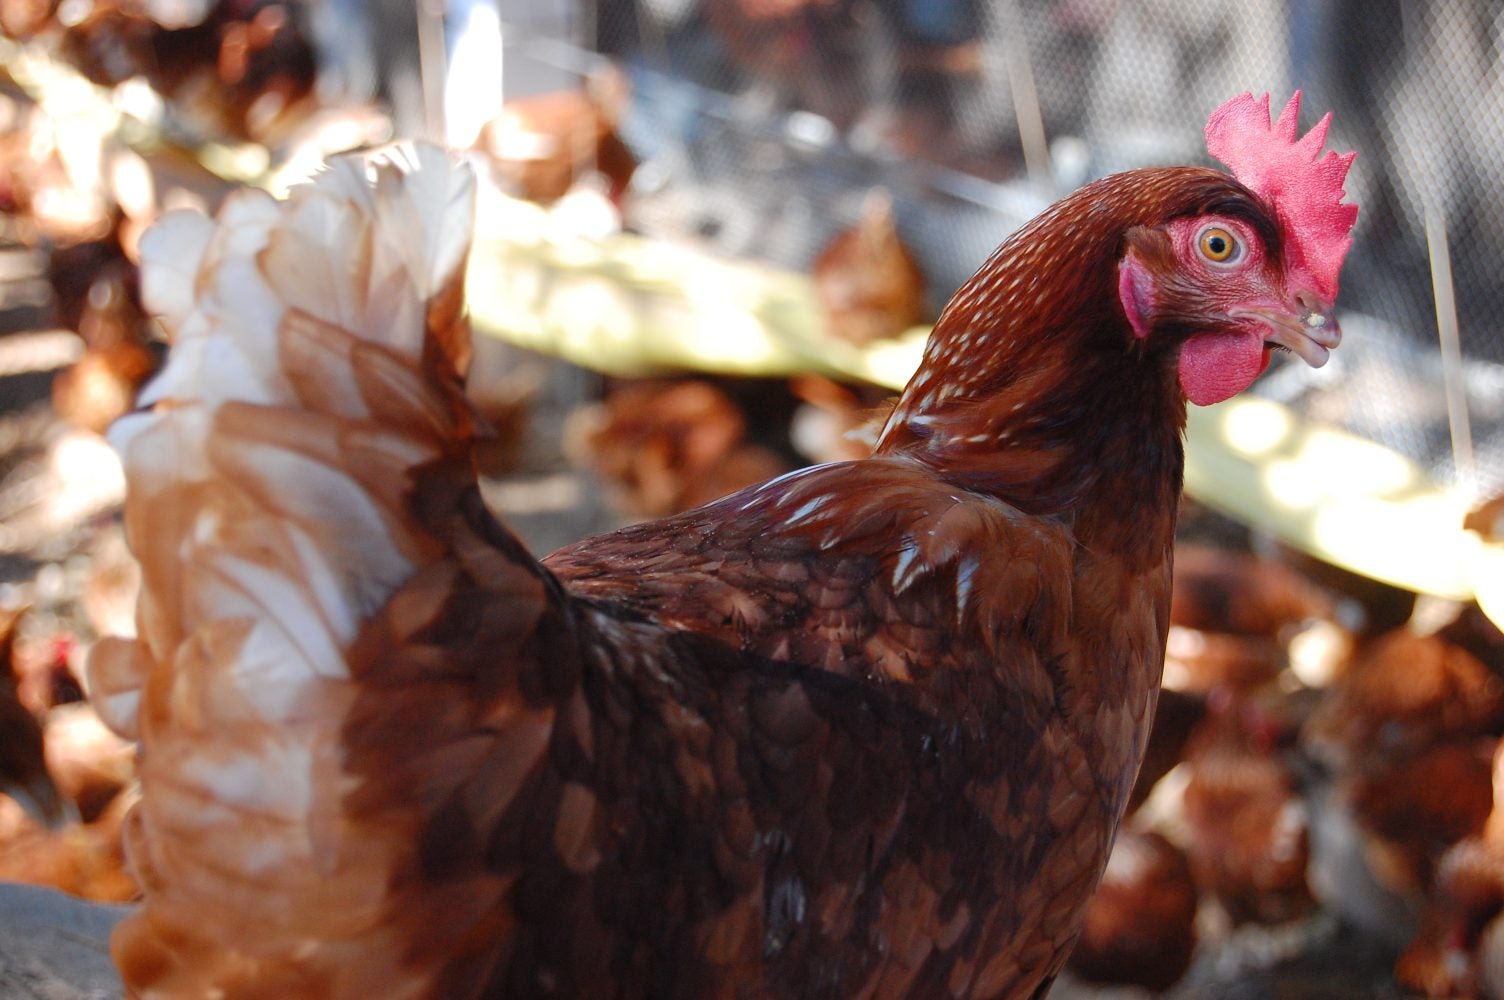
{"points": [[1034, 388]]}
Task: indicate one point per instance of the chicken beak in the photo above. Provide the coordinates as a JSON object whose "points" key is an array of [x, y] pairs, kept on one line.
{"points": [[1309, 328]]}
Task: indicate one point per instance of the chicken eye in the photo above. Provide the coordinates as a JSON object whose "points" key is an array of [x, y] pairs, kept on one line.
{"points": [[1218, 245]]}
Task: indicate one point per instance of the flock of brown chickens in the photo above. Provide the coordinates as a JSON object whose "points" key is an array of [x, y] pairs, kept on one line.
{"points": [[1299, 763], [1322, 743], [238, 69]]}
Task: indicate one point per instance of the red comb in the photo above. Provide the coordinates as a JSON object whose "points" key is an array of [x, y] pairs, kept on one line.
{"points": [[1304, 187]]}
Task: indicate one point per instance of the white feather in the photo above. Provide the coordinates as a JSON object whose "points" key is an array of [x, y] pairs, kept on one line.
{"points": [[266, 539]]}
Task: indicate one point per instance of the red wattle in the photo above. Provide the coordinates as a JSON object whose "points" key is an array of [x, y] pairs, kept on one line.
{"points": [[1215, 366]]}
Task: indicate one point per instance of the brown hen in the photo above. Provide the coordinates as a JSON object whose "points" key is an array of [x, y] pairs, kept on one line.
{"points": [[663, 447], [1140, 928], [1248, 835], [542, 144], [864, 730], [1233, 615], [868, 283], [1399, 748], [1458, 950]]}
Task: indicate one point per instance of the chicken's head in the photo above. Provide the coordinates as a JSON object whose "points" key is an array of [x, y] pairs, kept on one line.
{"points": [[1234, 281]]}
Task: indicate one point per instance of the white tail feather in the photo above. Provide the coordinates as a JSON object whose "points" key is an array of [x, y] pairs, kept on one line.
{"points": [[267, 505]]}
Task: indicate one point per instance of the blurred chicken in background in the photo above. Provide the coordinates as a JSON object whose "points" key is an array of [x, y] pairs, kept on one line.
{"points": [[1176, 720], [868, 283], [1233, 616], [1140, 928], [807, 52], [232, 69], [66, 777], [1458, 950], [96, 295], [543, 144], [81, 859], [1403, 693], [23, 766], [1247, 825], [664, 447], [1397, 756]]}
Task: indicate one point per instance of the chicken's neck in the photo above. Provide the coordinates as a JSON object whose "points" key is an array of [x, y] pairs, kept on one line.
{"points": [[1053, 427]]}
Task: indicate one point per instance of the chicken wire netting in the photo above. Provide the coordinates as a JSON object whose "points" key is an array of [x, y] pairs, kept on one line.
{"points": [[761, 124]]}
